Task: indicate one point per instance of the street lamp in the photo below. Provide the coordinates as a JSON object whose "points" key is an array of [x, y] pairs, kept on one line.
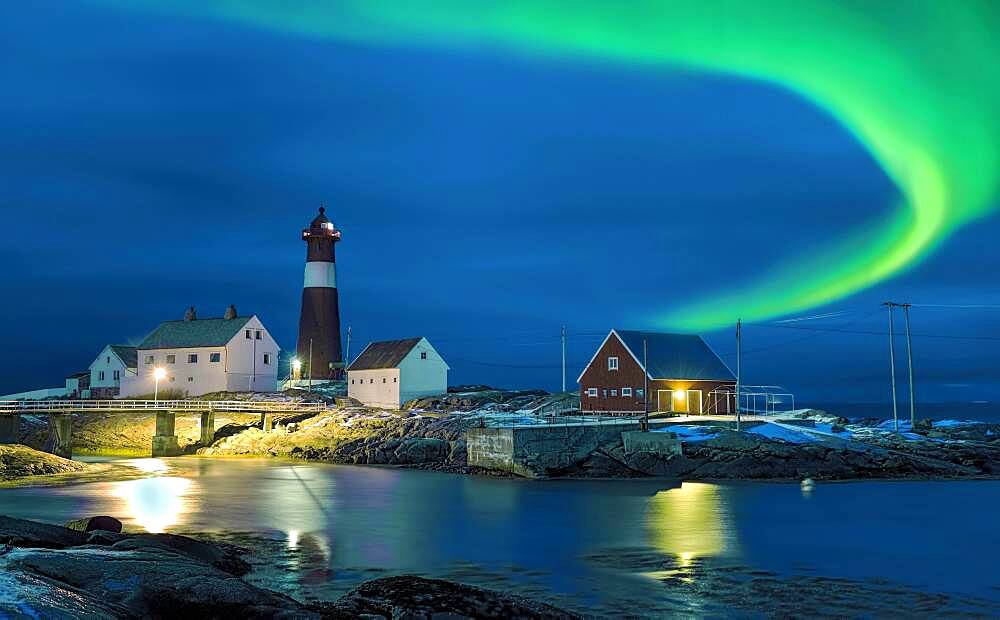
{"points": [[158, 373], [296, 368]]}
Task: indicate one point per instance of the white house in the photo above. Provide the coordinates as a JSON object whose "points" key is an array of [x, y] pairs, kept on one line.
{"points": [[109, 369], [199, 356], [389, 373]]}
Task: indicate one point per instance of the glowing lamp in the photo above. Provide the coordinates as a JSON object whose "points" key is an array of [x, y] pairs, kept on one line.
{"points": [[159, 373]]}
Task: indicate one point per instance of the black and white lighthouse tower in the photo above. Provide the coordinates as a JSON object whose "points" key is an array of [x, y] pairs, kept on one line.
{"points": [[318, 348]]}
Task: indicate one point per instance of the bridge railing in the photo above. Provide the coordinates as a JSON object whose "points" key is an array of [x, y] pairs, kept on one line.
{"points": [[244, 406]]}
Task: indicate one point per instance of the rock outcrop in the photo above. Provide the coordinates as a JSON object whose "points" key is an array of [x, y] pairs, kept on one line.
{"points": [[49, 571]]}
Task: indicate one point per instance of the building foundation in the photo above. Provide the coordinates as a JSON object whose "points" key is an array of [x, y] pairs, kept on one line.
{"points": [[267, 421], [165, 439], [10, 428], [207, 428], [60, 439]]}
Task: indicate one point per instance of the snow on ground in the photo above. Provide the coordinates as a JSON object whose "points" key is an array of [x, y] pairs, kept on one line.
{"points": [[953, 423], [782, 432], [689, 433]]}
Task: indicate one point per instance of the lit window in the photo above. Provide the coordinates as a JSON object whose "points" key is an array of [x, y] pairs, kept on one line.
{"points": [[423, 355], [150, 359], [612, 363], [215, 357], [614, 392], [592, 392], [267, 358], [171, 359], [626, 391], [192, 359]]}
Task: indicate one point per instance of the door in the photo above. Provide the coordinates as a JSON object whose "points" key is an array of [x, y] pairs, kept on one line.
{"points": [[663, 400], [694, 402]]}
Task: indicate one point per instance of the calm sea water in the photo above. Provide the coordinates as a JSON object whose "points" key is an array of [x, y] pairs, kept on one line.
{"points": [[605, 547]]}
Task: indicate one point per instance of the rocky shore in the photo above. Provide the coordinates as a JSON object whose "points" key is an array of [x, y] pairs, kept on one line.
{"points": [[93, 570]]}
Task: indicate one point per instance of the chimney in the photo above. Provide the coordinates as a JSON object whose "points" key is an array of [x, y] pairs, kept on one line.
{"points": [[230, 313], [190, 314]]}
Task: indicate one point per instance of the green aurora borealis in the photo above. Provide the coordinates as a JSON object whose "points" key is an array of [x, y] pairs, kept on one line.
{"points": [[917, 82]]}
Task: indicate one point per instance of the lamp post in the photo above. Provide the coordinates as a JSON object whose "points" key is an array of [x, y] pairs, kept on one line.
{"points": [[158, 373], [296, 369]]}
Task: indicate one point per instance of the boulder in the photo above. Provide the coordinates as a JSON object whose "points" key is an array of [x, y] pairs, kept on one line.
{"points": [[222, 557], [408, 596], [108, 524], [418, 450], [23, 533]]}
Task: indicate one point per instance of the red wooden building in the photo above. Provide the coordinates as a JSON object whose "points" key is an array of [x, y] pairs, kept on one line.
{"points": [[681, 374]]}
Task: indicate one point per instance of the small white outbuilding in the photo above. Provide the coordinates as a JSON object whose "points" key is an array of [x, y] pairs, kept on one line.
{"points": [[389, 373]]}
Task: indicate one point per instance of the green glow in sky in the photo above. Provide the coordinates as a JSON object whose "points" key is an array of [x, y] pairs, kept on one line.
{"points": [[916, 81]]}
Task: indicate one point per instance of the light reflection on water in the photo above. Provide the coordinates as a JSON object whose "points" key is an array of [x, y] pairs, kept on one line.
{"points": [[319, 529]]}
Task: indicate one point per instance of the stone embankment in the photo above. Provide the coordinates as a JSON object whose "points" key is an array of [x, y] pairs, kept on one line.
{"points": [[48, 571]]}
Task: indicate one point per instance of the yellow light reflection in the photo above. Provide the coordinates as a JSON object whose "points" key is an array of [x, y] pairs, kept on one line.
{"points": [[154, 503], [152, 466], [690, 522]]}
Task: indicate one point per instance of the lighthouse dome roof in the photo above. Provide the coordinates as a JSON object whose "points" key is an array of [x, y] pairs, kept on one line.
{"points": [[320, 219]]}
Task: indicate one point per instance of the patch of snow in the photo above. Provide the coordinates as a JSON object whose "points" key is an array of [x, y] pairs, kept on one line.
{"points": [[689, 433], [953, 423], [782, 433]]}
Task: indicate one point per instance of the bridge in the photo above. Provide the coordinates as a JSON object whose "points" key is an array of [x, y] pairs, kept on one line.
{"points": [[60, 414]]}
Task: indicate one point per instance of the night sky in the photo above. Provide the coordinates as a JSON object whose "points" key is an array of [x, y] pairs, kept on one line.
{"points": [[151, 162]]}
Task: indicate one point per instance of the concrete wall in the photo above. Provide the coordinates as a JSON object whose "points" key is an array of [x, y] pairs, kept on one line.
{"points": [[36, 394], [539, 450], [377, 388]]}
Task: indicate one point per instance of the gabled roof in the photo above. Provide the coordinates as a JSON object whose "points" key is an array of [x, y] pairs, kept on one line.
{"points": [[196, 333], [126, 354], [78, 375], [385, 354], [672, 356]]}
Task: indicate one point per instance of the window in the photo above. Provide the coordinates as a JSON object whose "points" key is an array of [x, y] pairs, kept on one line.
{"points": [[190, 379], [639, 392], [192, 359], [592, 392], [117, 375], [172, 379], [171, 359], [626, 391], [394, 379], [149, 359], [352, 381], [100, 376], [383, 379], [107, 360], [256, 335], [612, 363], [267, 358], [423, 355], [247, 332], [215, 357], [371, 381], [604, 393], [614, 392]]}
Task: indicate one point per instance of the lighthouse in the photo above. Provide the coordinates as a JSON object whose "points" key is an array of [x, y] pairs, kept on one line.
{"points": [[318, 347]]}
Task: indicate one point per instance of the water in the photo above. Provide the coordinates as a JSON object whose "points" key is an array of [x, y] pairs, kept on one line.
{"points": [[982, 411], [608, 547]]}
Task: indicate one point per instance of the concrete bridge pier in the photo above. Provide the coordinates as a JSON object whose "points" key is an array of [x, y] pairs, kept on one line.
{"points": [[60, 439], [10, 428], [165, 439], [207, 428], [266, 421]]}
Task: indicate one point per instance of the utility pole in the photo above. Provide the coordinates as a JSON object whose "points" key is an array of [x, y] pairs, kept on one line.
{"points": [[253, 362], [909, 362], [645, 387], [892, 369], [739, 369], [310, 364], [347, 353], [563, 338]]}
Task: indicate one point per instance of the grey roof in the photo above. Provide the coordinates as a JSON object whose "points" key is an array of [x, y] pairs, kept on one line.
{"points": [[126, 354], [78, 375], [196, 333], [676, 356], [385, 354]]}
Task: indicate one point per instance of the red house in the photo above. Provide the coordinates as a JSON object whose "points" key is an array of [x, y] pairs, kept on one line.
{"points": [[681, 374]]}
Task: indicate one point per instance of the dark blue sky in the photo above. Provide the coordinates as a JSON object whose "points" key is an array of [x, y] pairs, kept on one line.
{"points": [[152, 163]]}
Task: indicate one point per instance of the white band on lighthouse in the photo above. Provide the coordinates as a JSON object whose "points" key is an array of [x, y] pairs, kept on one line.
{"points": [[320, 274]]}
